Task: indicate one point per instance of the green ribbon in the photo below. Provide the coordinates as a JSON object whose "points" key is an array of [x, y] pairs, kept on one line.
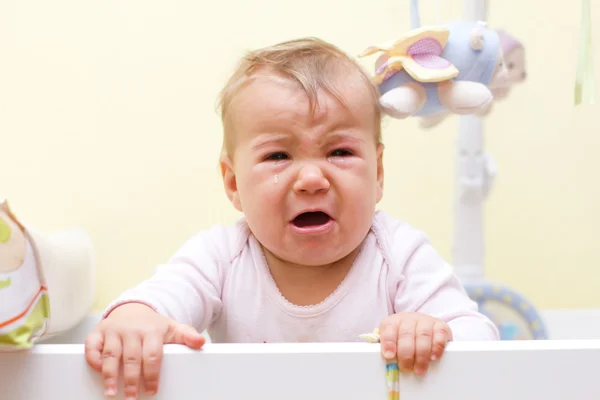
{"points": [[584, 80]]}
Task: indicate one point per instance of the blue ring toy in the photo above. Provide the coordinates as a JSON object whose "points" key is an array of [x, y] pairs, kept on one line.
{"points": [[484, 292]]}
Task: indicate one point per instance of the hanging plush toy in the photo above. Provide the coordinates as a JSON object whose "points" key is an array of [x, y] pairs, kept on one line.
{"points": [[514, 61], [433, 70]]}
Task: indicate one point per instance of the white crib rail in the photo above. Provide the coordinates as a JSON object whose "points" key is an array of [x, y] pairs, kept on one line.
{"points": [[531, 370]]}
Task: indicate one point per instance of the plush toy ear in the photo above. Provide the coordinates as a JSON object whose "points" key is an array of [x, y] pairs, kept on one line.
{"points": [[477, 36]]}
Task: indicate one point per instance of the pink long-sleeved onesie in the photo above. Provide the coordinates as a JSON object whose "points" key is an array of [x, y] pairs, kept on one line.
{"points": [[219, 281]]}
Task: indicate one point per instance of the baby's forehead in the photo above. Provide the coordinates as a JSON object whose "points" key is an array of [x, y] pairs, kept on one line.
{"points": [[348, 88], [339, 90]]}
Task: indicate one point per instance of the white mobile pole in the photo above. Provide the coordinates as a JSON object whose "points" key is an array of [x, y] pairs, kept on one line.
{"points": [[475, 171]]}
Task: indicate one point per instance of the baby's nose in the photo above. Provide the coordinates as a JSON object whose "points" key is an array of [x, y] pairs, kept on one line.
{"points": [[311, 180]]}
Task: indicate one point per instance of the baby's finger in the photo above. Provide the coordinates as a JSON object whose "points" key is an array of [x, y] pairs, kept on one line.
{"points": [[185, 335], [406, 344], [388, 337], [93, 349], [152, 354], [111, 359], [441, 336], [423, 344], [132, 365], [192, 338]]}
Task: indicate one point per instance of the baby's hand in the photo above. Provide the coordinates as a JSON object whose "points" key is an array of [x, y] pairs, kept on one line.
{"points": [[134, 334], [414, 339]]}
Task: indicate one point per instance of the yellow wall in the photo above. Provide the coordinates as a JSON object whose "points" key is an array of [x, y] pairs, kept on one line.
{"points": [[107, 121]]}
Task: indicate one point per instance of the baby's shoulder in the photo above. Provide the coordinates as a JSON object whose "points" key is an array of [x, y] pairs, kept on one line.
{"points": [[396, 238], [220, 241]]}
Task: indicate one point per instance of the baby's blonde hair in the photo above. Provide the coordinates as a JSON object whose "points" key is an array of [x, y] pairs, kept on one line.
{"points": [[311, 62]]}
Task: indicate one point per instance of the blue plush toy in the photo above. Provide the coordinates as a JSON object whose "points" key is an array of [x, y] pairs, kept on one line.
{"points": [[439, 69]]}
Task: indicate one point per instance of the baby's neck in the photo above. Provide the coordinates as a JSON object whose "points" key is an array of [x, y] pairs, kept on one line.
{"points": [[308, 285]]}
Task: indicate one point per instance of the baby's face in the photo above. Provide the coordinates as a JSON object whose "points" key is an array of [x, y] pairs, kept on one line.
{"points": [[307, 184]]}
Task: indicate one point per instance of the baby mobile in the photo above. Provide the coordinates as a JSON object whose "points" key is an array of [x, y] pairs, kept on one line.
{"points": [[461, 68]]}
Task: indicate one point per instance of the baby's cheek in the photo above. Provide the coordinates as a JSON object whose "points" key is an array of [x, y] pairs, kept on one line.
{"points": [[265, 195]]}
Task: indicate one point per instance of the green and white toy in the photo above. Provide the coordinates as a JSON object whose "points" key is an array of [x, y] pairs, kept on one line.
{"points": [[46, 281]]}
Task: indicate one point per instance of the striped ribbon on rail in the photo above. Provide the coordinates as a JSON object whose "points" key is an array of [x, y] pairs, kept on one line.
{"points": [[392, 373]]}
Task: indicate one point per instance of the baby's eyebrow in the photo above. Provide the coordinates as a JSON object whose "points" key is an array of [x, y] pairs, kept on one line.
{"points": [[330, 139], [337, 137], [266, 139]]}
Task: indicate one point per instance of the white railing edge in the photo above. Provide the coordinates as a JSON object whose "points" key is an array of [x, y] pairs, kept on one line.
{"points": [[516, 370], [348, 347]]}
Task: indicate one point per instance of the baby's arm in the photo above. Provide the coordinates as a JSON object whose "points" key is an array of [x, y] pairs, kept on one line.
{"points": [[187, 288], [430, 305], [184, 293], [426, 284]]}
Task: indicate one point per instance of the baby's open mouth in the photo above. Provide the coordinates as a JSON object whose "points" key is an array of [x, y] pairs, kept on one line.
{"points": [[307, 219]]}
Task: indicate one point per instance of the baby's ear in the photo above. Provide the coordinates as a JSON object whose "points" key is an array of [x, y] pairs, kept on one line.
{"points": [[230, 182]]}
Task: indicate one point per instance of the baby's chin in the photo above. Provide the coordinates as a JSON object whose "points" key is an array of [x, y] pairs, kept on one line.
{"points": [[312, 257]]}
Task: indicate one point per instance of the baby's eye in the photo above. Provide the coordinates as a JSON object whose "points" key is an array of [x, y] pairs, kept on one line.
{"points": [[341, 153], [277, 156]]}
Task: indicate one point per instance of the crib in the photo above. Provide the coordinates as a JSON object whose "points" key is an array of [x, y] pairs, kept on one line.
{"points": [[564, 367]]}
